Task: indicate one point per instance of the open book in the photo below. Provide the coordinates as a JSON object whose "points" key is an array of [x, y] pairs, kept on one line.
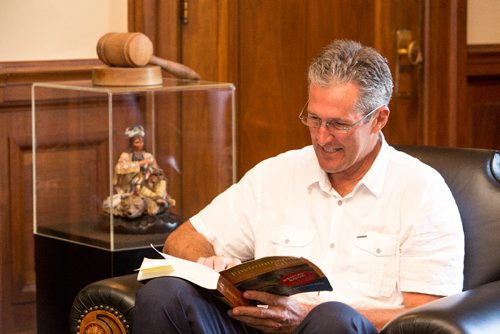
{"points": [[280, 275]]}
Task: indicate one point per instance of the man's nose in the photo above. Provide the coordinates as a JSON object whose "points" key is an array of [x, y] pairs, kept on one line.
{"points": [[323, 135]]}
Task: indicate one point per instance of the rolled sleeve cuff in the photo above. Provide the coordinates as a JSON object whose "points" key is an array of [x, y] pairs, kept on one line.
{"points": [[439, 280]]}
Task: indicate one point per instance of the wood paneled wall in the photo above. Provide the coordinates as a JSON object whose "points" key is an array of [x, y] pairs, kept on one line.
{"points": [[264, 47], [481, 124], [225, 49], [17, 276]]}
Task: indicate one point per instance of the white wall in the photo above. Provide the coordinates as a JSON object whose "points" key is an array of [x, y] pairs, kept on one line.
{"points": [[57, 29], [70, 29], [483, 22]]}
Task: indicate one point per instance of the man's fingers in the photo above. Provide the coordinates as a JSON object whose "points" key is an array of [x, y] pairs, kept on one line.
{"points": [[218, 263], [264, 298]]}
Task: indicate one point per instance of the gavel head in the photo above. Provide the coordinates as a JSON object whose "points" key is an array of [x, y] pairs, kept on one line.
{"points": [[128, 49]]}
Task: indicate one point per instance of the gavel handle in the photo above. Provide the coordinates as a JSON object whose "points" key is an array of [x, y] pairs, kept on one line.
{"points": [[179, 70]]}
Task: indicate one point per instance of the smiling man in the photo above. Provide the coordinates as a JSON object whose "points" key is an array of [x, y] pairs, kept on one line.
{"points": [[344, 147], [380, 224]]}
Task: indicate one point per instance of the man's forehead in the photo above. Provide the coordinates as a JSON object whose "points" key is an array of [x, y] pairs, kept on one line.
{"points": [[333, 96]]}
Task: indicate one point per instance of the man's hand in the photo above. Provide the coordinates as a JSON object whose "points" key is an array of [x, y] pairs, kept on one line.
{"points": [[280, 314], [219, 263]]}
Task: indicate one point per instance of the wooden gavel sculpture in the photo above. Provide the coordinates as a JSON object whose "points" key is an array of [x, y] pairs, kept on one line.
{"points": [[135, 50]]}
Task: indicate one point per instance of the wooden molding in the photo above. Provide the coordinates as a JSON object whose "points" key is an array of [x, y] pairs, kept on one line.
{"points": [[445, 78], [483, 106], [16, 78], [22, 288], [483, 60]]}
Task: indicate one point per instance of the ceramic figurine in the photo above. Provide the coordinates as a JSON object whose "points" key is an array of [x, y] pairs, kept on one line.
{"points": [[140, 184]]}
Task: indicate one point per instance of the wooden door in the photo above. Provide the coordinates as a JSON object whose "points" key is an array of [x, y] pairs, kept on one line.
{"points": [[277, 40], [264, 47], [399, 37]]}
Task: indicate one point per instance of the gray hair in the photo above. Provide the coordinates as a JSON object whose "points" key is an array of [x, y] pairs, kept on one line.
{"points": [[344, 62]]}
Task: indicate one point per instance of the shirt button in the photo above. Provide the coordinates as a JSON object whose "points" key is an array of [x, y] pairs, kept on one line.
{"points": [[378, 250], [339, 202], [287, 241], [332, 245]]}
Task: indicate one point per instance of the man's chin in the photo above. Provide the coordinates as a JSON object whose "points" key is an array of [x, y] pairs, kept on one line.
{"points": [[330, 160], [331, 166], [331, 170]]}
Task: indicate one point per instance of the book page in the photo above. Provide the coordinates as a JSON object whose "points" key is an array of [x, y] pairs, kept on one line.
{"points": [[151, 268], [281, 275], [172, 266]]}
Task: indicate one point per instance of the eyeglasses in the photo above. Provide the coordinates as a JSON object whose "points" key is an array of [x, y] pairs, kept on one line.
{"points": [[331, 124]]}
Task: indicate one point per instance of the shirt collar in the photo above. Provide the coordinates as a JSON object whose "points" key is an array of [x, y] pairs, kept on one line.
{"points": [[375, 177], [373, 180], [315, 174]]}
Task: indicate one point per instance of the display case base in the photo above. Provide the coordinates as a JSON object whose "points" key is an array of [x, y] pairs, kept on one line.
{"points": [[63, 268]]}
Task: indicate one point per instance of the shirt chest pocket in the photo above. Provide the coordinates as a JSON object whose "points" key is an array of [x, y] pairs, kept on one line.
{"points": [[291, 241], [373, 264]]}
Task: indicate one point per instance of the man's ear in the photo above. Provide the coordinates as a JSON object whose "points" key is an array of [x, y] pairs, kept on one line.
{"points": [[381, 119]]}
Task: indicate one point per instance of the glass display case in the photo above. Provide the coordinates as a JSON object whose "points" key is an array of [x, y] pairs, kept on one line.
{"points": [[118, 168]]}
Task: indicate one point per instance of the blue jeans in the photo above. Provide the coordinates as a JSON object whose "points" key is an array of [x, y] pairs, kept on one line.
{"points": [[171, 305]]}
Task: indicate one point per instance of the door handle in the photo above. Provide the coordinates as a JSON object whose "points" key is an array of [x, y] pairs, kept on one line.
{"points": [[409, 55], [412, 53]]}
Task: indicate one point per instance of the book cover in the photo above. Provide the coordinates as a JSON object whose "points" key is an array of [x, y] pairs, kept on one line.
{"points": [[280, 275]]}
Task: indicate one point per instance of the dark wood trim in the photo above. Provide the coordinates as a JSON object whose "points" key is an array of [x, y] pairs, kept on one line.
{"points": [[23, 287], [26, 70], [483, 60], [483, 88], [445, 78], [159, 20], [17, 306], [16, 78]]}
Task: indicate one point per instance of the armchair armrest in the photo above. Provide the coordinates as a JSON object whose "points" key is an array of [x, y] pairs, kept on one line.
{"points": [[472, 311], [105, 306]]}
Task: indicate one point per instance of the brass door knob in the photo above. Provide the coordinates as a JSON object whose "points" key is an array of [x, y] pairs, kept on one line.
{"points": [[412, 52]]}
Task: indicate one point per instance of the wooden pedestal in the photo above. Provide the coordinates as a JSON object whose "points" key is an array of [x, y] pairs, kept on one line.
{"points": [[63, 268]]}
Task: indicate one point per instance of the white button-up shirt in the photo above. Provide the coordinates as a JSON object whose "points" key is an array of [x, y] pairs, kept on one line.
{"points": [[398, 230]]}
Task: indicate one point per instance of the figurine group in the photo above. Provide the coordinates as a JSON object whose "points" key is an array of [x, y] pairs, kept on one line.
{"points": [[139, 183]]}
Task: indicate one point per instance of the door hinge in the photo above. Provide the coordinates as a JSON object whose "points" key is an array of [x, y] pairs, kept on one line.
{"points": [[185, 12]]}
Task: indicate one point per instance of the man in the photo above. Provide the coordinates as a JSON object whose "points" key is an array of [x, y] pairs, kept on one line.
{"points": [[381, 225]]}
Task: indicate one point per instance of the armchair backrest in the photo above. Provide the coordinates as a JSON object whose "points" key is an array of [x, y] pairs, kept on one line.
{"points": [[473, 176]]}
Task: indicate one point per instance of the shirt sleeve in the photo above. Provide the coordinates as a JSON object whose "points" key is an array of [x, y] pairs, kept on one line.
{"points": [[432, 245], [227, 221]]}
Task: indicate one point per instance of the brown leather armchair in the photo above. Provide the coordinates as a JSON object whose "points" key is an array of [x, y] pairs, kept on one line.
{"points": [[473, 176]]}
